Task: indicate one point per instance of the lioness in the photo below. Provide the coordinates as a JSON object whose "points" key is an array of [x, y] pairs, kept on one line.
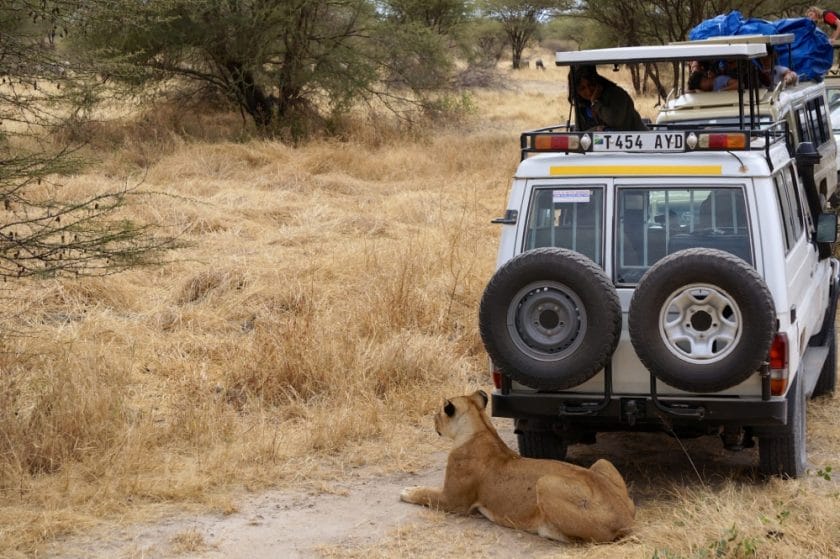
{"points": [[554, 499]]}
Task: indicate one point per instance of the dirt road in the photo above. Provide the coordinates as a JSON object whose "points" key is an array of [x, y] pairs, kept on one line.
{"points": [[351, 517], [361, 515]]}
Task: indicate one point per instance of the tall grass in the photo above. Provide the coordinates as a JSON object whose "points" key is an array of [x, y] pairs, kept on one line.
{"points": [[324, 303]]}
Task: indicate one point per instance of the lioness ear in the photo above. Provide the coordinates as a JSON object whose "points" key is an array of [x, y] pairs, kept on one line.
{"points": [[449, 408], [480, 398]]}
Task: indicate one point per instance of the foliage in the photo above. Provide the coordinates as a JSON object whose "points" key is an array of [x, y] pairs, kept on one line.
{"points": [[520, 20], [42, 92], [824, 473], [281, 63], [441, 16], [481, 45]]}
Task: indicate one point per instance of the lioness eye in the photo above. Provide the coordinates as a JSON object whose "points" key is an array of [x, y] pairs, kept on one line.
{"points": [[449, 409]]}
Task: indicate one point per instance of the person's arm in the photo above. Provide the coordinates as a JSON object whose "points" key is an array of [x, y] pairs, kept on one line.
{"points": [[613, 106], [789, 76], [725, 83], [834, 23]]}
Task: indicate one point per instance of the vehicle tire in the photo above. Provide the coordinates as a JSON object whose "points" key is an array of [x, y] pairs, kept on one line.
{"points": [[541, 444], [783, 453], [550, 318], [702, 320], [828, 375]]}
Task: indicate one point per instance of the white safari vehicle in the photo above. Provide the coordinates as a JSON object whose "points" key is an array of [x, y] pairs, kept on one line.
{"points": [[679, 279]]}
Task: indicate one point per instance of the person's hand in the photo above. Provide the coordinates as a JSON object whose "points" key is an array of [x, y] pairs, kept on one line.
{"points": [[596, 93]]}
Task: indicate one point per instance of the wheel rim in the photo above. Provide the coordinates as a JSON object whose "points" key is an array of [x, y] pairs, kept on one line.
{"points": [[700, 323], [546, 320]]}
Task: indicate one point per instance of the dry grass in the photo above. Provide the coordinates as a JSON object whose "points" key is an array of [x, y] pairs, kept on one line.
{"points": [[189, 541], [327, 302]]}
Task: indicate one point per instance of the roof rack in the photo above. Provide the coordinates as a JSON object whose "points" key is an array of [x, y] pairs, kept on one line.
{"points": [[777, 39], [693, 50], [673, 139]]}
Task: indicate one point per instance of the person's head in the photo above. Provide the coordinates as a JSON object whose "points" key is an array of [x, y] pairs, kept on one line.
{"points": [[701, 80], [587, 80], [814, 13]]}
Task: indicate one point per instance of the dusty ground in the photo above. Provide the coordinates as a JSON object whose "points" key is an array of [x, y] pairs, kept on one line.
{"points": [[361, 515]]}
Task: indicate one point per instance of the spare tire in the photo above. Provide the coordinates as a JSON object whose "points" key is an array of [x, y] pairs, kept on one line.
{"points": [[550, 318], [702, 320]]}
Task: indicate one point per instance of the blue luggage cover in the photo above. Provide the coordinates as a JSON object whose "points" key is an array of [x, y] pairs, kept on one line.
{"points": [[811, 51]]}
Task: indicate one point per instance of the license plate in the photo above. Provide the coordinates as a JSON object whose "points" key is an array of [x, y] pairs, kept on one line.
{"points": [[638, 141]]}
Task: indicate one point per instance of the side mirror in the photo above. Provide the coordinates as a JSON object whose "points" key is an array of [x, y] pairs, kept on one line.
{"points": [[807, 155], [826, 228]]}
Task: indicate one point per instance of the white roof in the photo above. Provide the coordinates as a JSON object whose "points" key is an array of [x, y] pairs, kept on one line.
{"points": [[778, 39], [696, 50]]}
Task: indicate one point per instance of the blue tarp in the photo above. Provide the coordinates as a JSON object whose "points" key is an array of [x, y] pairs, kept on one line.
{"points": [[811, 51]]}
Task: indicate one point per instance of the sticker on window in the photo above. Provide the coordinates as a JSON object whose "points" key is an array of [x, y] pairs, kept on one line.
{"points": [[572, 196]]}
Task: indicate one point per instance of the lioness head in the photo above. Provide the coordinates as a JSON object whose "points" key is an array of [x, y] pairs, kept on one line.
{"points": [[461, 416]]}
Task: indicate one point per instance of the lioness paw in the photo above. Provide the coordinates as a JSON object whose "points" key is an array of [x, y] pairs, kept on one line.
{"points": [[407, 494]]}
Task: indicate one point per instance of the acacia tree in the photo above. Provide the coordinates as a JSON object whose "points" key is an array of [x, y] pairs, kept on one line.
{"points": [[441, 16], [281, 63], [43, 91], [520, 20]]}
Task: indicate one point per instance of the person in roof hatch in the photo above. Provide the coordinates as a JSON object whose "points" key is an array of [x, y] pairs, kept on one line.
{"points": [[829, 17], [771, 73], [708, 81], [602, 104]]}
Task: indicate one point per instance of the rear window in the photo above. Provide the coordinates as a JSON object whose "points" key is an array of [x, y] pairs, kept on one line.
{"points": [[654, 222], [834, 107], [569, 217]]}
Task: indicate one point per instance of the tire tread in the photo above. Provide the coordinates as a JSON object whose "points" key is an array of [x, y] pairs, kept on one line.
{"points": [[573, 371], [647, 343]]}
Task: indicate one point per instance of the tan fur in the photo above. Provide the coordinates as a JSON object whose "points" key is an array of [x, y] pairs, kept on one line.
{"points": [[554, 499]]}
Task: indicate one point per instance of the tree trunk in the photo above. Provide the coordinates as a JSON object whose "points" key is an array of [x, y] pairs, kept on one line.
{"points": [[252, 97], [516, 55], [634, 75], [657, 82]]}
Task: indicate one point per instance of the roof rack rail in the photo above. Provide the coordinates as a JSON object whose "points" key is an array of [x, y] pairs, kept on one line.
{"points": [[662, 139]]}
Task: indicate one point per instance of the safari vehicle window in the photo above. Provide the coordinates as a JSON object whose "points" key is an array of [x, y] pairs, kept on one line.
{"points": [[833, 91], [570, 218], [835, 119], [819, 121], [655, 222], [790, 207], [812, 122]]}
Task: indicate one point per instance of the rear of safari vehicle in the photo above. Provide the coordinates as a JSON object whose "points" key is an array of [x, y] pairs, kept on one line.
{"points": [[641, 286], [556, 316]]}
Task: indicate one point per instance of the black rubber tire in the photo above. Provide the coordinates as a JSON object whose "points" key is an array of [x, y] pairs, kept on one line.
{"points": [[550, 318], [783, 453], [723, 299], [828, 375], [541, 444]]}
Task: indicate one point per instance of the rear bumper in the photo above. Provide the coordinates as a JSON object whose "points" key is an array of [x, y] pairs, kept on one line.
{"points": [[620, 412]]}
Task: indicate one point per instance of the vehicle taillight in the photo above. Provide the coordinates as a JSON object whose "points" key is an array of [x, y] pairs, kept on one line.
{"points": [[734, 140], [559, 142], [497, 378], [778, 358]]}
